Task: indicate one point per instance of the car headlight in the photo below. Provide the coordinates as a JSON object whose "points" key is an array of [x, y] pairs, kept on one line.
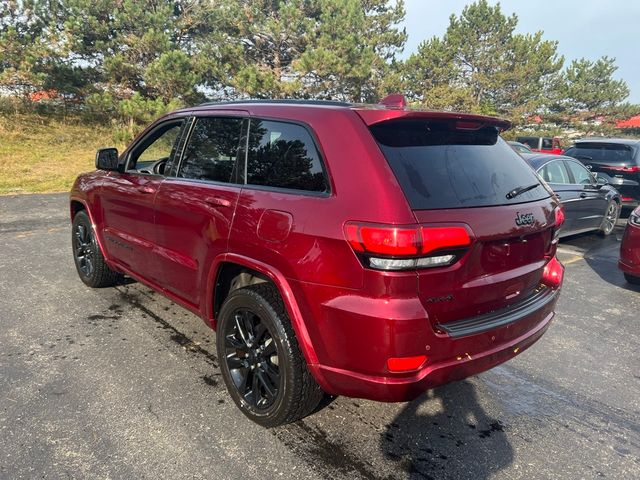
{"points": [[634, 219]]}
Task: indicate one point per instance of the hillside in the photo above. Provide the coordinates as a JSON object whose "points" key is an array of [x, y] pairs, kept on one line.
{"points": [[41, 154]]}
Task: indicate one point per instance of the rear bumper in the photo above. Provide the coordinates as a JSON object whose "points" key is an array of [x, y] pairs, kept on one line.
{"points": [[449, 358], [390, 389], [630, 251]]}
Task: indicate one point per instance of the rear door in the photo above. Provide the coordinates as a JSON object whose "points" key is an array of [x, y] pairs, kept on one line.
{"points": [[127, 198], [194, 207], [455, 174]]}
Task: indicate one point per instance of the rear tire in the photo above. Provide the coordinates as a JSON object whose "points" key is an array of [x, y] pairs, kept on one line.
{"points": [[632, 279], [610, 218], [260, 359], [90, 264]]}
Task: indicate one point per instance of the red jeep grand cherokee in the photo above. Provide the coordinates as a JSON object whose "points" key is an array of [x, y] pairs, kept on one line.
{"points": [[369, 251], [630, 249]]}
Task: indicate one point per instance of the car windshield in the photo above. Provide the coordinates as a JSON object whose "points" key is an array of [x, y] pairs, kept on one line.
{"points": [[441, 166]]}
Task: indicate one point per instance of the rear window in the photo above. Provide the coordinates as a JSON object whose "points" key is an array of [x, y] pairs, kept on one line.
{"points": [[612, 153], [439, 166]]}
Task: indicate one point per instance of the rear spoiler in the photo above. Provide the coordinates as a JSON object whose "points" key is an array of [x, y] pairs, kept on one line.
{"points": [[375, 114]]}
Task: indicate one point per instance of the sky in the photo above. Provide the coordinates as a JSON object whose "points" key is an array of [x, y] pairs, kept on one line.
{"points": [[583, 28]]}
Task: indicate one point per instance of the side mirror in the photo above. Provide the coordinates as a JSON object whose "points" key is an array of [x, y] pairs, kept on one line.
{"points": [[602, 179], [107, 159]]}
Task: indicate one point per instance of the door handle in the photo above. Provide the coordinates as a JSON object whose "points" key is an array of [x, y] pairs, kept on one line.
{"points": [[146, 190], [217, 202], [583, 195]]}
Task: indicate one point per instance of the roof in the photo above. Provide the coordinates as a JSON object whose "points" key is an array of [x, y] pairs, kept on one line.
{"points": [[620, 141], [536, 160], [318, 103], [390, 108]]}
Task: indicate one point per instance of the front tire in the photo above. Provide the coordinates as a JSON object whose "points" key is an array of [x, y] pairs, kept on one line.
{"points": [[90, 264], [610, 218], [632, 279], [260, 359]]}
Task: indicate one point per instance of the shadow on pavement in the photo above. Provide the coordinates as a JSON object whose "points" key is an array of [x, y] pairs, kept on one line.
{"points": [[447, 434]]}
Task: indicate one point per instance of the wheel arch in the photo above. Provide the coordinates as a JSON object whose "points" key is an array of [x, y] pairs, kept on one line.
{"points": [[77, 205], [229, 266]]}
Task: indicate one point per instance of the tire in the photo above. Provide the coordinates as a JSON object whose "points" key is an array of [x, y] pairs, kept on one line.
{"points": [[87, 256], [632, 279], [260, 359], [610, 218]]}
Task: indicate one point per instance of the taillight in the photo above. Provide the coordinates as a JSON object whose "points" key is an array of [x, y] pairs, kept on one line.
{"points": [[559, 217], [553, 273], [555, 236], [633, 169], [389, 247]]}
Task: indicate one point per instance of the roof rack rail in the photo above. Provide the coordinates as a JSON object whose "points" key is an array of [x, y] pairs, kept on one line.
{"points": [[328, 103]]}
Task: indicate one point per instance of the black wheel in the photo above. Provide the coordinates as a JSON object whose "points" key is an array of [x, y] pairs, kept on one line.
{"points": [[87, 256], [631, 279], [610, 218], [260, 360]]}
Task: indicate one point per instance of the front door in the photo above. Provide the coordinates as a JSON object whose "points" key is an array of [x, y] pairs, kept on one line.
{"points": [[195, 206], [592, 203], [127, 199]]}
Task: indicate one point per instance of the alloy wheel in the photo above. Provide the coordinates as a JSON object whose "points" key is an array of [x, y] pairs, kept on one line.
{"points": [[611, 217], [83, 249], [252, 358]]}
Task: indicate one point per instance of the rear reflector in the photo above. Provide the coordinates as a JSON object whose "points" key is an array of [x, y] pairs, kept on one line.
{"points": [[405, 364], [627, 199]]}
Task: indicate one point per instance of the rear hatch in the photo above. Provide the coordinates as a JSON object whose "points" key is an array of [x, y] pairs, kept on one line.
{"points": [[459, 172], [618, 160]]}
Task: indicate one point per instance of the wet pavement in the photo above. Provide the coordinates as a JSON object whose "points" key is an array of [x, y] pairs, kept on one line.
{"points": [[122, 383]]}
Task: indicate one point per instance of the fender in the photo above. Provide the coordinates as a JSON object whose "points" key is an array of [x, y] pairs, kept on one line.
{"points": [[283, 287], [73, 198]]}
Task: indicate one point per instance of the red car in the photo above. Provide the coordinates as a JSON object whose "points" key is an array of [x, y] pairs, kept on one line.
{"points": [[369, 251], [542, 144], [630, 249]]}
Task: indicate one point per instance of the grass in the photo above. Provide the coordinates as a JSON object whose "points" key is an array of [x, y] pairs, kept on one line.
{"points": [[42, 154]]}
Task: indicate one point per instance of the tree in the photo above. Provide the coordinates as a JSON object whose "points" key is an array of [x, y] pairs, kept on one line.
{"points": [[481, 65], [351, 49], [588, 87]]}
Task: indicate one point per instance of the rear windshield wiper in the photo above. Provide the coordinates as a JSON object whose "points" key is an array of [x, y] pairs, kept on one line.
{"points": [[583, 157], [517, 191]]}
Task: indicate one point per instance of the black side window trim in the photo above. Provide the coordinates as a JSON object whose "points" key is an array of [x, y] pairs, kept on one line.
{"points": [[293, 191], [133, 148]]}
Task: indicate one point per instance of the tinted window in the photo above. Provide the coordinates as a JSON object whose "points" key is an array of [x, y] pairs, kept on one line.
{"points": [[580, 174], [284, 155], [438, 166], [554, 172], [611, 153], [547, 143], [156, 146], [212, 150]]}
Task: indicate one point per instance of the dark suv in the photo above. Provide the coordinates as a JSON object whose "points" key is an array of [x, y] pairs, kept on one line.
{"points": [[370, 251], [617, 158]]}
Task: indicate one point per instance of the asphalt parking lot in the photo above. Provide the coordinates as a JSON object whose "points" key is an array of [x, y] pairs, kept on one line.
{"points": [[122, 383]]}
